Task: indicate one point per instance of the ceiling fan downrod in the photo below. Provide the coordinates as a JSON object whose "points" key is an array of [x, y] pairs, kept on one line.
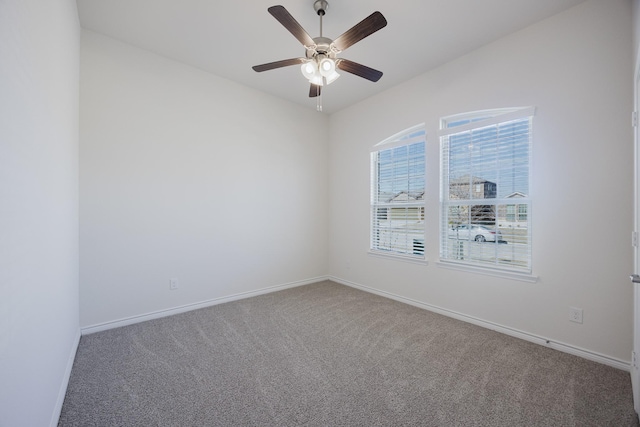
{"points": [[321, 6]]}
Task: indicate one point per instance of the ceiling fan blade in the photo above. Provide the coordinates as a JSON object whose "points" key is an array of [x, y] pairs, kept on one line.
{"points": [[289, 22], [364, 28], [278, 64], [314, 90], [359, 70]]}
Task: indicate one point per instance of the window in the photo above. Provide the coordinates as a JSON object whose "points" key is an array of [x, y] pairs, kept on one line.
{"points": [[522, 212], [485, 185], [397, 194]]}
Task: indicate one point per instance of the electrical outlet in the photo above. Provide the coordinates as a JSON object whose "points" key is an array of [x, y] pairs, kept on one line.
{"points": [[173, 284], [575, 314]]}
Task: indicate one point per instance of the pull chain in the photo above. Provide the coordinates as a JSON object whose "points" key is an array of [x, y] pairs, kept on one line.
{"points": [[320, 7]]}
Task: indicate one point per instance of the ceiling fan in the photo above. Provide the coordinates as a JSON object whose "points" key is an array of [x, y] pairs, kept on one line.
{"points": [[320, 62]]}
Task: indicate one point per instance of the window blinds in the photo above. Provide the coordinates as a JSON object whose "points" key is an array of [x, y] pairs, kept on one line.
{"points": [[397, 194], [485, 190]]}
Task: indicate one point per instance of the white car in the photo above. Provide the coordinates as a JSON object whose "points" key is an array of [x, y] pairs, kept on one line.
{"points": [[479, 233]]}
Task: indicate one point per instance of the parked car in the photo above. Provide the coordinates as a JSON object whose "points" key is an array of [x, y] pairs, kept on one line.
{"points": [[479, 233]]}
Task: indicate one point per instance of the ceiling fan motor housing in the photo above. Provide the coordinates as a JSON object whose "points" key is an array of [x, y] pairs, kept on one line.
{"points": [[322, 47]]}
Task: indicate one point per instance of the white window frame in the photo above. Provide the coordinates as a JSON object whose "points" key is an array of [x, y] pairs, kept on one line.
{"points": [[405, 253], [479, 120]]}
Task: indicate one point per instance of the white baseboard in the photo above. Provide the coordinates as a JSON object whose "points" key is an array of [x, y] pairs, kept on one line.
{"points": [[57, 410], [194, 306], [566, 348]]}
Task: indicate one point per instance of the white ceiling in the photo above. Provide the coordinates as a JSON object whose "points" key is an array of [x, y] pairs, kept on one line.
{"points": [[227, 37]]}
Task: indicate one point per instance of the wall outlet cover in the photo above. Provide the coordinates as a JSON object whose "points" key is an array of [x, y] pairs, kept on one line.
{"points": [[575, 314]]}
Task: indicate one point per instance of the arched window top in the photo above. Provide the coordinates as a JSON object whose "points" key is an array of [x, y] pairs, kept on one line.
{"points": [[413, 134], [477, 119]]}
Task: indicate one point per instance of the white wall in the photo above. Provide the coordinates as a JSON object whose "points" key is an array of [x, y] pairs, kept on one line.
{"points": [[184, 174], [576, 68], [39, 66], [635, 8]]}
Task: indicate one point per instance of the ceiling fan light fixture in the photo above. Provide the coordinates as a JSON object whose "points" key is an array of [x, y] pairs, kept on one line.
{"points": [[317, 80], [327, 65], [321, 73], [309, 69], [328, 70], [332, 77]]}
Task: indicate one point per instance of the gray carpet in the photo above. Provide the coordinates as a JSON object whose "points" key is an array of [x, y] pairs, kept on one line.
{"points": [[329, 355]]}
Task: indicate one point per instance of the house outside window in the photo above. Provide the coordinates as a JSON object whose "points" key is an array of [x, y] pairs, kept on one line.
{"points": [[485, 180], [397, 195], [515, 214]]}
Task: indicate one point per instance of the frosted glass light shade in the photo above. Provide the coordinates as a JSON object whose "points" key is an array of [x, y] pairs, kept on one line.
{"points": [[328, 70], [327, 67], [309, 70], [317, 80]]}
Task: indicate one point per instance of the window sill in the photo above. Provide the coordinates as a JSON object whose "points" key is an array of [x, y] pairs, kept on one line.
{"points": [[413, 259], [514, 275]]}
